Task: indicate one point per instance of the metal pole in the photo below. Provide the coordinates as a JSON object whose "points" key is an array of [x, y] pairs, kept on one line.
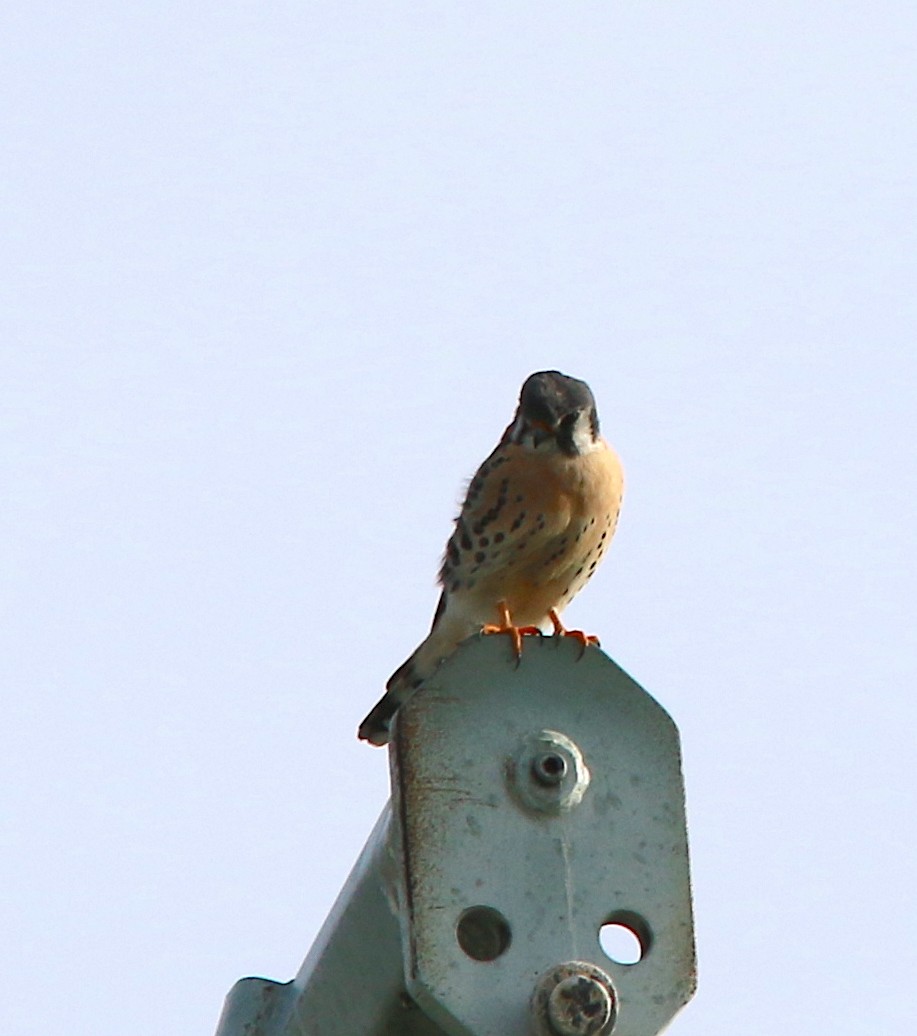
{"points": [[532, 806]]}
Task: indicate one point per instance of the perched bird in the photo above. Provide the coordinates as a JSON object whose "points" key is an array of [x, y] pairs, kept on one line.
{"points": [[537, 519]]}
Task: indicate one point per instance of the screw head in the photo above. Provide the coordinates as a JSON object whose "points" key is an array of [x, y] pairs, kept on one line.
{"points": [[576, 998], [579, 1006]]}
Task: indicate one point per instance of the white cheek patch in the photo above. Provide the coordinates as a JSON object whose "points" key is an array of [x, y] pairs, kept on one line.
{"points": [[583, 439]]}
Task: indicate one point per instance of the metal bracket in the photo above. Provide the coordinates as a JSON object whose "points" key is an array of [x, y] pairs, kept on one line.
{"points": [[532, 806]]}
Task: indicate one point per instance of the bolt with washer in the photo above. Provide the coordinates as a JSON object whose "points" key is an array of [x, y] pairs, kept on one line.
{"points": [[579, 1006], [574, 999]]}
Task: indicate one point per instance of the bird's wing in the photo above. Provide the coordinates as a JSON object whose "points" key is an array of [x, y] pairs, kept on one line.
{"points": [[512, 511]]}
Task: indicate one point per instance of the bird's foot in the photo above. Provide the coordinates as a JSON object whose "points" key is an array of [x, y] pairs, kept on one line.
{"points": [[585, 639], [506, 627]]}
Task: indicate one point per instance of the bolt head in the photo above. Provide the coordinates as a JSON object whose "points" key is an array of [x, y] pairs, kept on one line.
{"points": [[579, 1006], [547, 773]]}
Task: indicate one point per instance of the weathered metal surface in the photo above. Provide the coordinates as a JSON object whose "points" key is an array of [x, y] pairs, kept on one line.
{"points": [[352, 980], [254, 1007], [553, 877], [530, 806]]}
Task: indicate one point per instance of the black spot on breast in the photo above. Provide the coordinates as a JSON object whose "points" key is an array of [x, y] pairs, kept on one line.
{"points": [[500, 537], [520, 518], [480, 557], [462, 533], [493, 512]]}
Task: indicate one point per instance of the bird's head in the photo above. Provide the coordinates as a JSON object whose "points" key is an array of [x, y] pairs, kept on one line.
{"points": [[555, 412]]}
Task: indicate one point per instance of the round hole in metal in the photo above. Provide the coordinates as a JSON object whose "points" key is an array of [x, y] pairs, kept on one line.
{"points": [[483, 933]]}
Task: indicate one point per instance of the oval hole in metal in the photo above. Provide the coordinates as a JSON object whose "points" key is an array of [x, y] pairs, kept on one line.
{"points": [[625, 937]]}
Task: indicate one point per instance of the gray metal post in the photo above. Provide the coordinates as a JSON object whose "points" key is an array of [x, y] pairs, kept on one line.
{"points": [[531, 806]]}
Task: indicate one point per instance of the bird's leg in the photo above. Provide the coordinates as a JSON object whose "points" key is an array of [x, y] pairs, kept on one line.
{"points": [[506, 626], [561, 631]]}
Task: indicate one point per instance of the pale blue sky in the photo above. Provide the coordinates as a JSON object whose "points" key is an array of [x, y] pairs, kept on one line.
{"points": [[272, 277]]}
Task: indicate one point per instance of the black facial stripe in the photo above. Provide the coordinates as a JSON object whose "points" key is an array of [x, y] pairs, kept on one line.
{"points": [[565, 434]]}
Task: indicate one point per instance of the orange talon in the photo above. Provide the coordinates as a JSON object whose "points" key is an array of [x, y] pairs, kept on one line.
{"points": [[515, 632], [585, 639]]}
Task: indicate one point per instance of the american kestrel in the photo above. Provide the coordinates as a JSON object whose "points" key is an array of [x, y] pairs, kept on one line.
{"points": [[537, 519]]}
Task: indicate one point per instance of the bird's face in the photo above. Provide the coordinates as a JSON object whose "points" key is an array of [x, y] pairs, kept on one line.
{"points": [[555, 413]]}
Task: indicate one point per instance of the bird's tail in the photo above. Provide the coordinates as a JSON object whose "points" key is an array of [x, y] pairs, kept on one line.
{"points": [[447, 631], [376, 728]]}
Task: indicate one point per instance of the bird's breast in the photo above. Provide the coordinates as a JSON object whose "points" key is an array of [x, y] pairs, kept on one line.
{"points": [[533, 530]]}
